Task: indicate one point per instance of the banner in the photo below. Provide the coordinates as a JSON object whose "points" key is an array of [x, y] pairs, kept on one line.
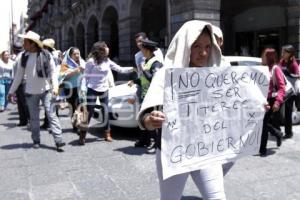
{"points": [[213, 114]]}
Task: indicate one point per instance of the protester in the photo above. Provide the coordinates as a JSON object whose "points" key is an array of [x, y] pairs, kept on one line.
{"points": [[6, 76], [20, 92], [48, 44], [97, 76], [192, 46], [290, 68], [152, 64], [71, 71], [275, 99], [139, 57], [41, 84]]}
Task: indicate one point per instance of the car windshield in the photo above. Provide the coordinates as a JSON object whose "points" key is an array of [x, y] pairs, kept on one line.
{"points": [[244, 63]]}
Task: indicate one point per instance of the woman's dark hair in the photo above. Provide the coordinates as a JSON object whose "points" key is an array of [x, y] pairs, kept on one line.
{"points": [[271, 56], [96, 49], [3, 52], [72, 49], [140, 34], [206, 31], [290, 49]]}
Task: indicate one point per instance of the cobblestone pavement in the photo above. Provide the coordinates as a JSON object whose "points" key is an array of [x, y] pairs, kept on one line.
{"points": [[118, 171]]}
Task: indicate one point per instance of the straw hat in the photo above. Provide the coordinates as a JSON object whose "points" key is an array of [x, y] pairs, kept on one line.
{"points": [[49, 42], [32, 36]]}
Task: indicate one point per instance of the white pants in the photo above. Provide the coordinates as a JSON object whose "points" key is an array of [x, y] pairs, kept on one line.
{"points": [[209, 182]]}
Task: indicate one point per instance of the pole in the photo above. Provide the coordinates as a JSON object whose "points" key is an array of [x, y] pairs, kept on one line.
{"points": [[12, 26], [168, 21]]}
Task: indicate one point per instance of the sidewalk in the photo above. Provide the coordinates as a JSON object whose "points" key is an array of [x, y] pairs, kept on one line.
{"points": [[118, 171]]}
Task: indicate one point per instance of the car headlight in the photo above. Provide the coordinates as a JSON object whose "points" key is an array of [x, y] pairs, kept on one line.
{"points": [[130, 99]]}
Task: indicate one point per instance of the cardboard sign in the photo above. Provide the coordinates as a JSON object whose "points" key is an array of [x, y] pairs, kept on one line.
{"points": [[214, 114]]}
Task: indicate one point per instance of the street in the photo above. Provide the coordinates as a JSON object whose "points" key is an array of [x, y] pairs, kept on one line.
{"points": [[118, 171]]}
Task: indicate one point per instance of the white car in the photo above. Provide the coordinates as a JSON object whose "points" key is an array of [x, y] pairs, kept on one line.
{"points": [[243, 60], [123, 106]]}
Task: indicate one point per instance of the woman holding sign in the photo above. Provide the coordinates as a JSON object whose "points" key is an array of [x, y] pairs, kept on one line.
{"points": [[193, 46]]}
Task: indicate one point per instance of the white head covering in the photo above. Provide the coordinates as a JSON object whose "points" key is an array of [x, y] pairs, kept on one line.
{"points": [[217, 31], [179, 51], [178, 55]]}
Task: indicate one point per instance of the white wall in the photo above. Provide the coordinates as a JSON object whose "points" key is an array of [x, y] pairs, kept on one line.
{"points": [[6, 19]]}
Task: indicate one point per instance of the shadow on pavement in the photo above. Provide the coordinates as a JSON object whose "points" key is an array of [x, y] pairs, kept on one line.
{"points": [[13, 113], [132, 150], [87, 140], [13, 118], [9, 125], [190, 198], [25, 146], [270, 151]]}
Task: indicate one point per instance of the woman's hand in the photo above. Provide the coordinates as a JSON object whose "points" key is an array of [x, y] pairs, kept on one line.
{"points": [[275, 108], [130, 83], [81, 69], [267, 107], [10, 97], [154, 120]]}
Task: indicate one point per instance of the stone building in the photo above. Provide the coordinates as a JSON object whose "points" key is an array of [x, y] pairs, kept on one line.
{"points": [[248, 26]]}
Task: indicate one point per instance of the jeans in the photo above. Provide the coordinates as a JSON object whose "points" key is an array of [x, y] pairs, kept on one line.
{"points": [[209, 182], [91, 101], [288, 115], [270, 124], [33, 102], [22, 105], [4, 88]]}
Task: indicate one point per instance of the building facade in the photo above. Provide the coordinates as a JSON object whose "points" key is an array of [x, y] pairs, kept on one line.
{"points": [[248, 26]]}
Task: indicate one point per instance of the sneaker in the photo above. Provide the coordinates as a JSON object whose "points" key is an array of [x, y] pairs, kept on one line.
{"points": [[59, 145], [288, 136], [140, 143], [263, 152], [36, 145], [151, 148]]}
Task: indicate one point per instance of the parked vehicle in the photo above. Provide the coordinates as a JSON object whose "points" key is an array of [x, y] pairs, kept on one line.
{"points": [[123, 106], [243, 60]]}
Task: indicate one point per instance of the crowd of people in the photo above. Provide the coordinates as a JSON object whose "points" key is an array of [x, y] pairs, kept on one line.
{"points": [[40, 73]]}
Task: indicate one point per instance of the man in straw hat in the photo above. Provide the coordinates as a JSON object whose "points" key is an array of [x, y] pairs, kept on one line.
{"points": [[41, 83]]}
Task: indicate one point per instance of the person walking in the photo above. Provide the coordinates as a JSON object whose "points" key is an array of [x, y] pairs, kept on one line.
{"points": [[192, 46], [275, 99], [290, 68], [6, 77], [20, 92], [97, 76], [70, 76], [41, 85]]}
